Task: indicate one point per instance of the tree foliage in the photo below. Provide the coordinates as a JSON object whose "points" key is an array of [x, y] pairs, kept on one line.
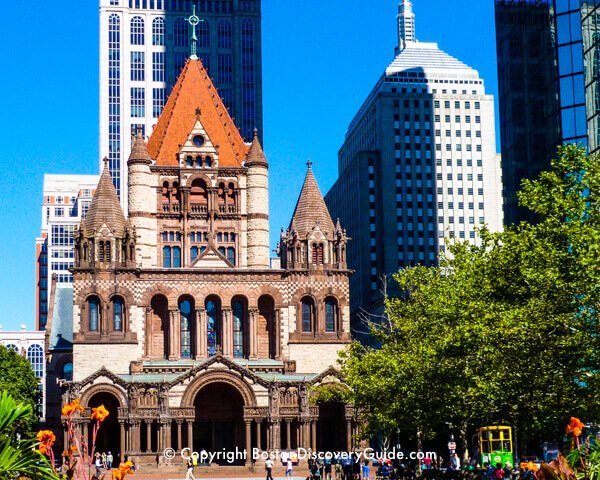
{"points": [[17, 379], [506, 331]]}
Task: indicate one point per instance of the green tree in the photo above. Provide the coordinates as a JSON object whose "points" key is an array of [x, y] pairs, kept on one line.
{"points": [[17, 379], [502, 332]]}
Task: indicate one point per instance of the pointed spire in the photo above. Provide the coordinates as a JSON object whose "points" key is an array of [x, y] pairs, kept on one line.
{"points": [[406, 24], [256, 156], [105, 207], [139, 151], [310, 209], [193, 21]]}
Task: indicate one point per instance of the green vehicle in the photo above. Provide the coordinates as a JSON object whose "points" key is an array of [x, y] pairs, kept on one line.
{"points": [[496, 445]]}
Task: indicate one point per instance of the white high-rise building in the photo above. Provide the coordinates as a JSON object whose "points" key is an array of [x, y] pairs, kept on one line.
{"points": [[66, 200], [406, 23], [418, 166], [143, 47]]}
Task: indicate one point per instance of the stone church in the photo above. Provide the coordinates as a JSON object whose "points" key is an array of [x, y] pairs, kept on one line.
{"points": [[183, 326]]}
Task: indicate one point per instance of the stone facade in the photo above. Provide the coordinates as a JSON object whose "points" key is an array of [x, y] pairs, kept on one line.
{"points": [[180, 325]]}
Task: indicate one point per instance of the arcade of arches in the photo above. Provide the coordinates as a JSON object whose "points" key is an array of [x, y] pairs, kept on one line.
{"points": [[219, 413], [188, 330]]}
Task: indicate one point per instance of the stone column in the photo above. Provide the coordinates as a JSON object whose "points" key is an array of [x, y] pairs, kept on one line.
{"points": [[253, 332], [313, 434], [190, 434], [173, 335], [288, 436], [148, 353], [227, 333], [348, 434], [248, 441], [135, 436], [278, 334], [274, 435], [161, 436], [122, 439], [258, 433], [148, 436], [201, 334], [85, 433], [179, 444]]}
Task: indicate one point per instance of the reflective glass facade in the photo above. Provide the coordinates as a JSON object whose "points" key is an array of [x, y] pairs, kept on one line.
{"points": [[548, 67]]}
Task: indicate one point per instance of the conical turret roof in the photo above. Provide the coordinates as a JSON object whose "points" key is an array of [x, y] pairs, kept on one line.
{"points": [[105, 208], [195, 92], [139, 150], [311, 209], [256, 154]]}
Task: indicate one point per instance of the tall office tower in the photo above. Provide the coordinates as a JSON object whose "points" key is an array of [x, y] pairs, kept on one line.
{"points": [[144, 45], [546, 95], [418, 166], [406, 23], [66, 200]]}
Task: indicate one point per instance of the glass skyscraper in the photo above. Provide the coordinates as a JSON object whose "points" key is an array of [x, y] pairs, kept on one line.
{"points": [[548, 68]]}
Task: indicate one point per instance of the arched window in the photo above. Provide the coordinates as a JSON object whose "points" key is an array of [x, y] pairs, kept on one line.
{"points": [[221, 194], [239, 321], [212, 325], [137, 31], [107, 252], [180, 31], [167, 257], [203, 34], [185, 315], [12, 346], [101, 251], [208, 161], [231, 194], [118, 305], [199, 161], [158, 31], [224, 34], [331, 315], [67, 372], [231, 255], [308, 309], [165, 192], [189, 160], [93, 314], [35, 355], [198, 195]]}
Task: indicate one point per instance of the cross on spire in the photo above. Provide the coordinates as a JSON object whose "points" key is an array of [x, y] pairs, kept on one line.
{"points": [[193, 20]]}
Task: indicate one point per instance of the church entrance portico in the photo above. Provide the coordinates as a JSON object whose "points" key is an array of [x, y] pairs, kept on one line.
{"points": [[219, 420]]}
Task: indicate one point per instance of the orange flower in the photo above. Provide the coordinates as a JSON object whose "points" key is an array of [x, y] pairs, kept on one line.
{"points": [[46, 437], [43, 449], [70, 408], [123, 470], [575, 427], [99, 413]]}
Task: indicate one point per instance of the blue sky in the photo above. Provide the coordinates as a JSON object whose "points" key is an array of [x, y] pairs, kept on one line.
{"points": [[320, 60]]}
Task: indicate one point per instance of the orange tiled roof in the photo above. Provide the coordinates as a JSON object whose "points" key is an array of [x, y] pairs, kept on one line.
{"points": [[194, 90]]}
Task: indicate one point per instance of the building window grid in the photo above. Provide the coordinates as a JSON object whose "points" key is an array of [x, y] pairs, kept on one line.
{"points": [[137, 67], [114, 100], [137, 31], [158, 66]]}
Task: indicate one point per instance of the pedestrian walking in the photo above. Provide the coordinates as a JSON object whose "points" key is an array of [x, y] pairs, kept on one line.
{"points": [[269, 468], [109, 460], [98, 464], [288, 468], [365, 470], [190, 470], [104, 460]]}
